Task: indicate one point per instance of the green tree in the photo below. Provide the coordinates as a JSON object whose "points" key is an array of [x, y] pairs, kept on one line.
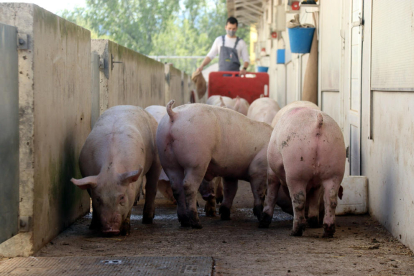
{"points": [[131, 23], [158, 27]]}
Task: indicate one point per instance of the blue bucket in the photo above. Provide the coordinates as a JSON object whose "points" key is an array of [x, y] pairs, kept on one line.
{"points": [[262, 69], [280, 56], [300, 39]]}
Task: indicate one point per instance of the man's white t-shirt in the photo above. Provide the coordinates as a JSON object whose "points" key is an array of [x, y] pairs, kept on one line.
{"points": [[229, 42]]}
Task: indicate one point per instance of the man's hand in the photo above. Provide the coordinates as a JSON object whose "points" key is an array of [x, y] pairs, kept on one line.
{"points": [[242, 72], [199, 70]]}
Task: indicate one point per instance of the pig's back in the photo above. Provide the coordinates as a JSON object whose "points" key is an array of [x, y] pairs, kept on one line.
{"points": [[311, 143], [121, 127], [225, 132], [157, 111], [290, 106]]}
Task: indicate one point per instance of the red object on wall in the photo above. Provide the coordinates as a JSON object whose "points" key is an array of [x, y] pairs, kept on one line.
{"points": [[230, 84], [295, 5], [274, 34]]}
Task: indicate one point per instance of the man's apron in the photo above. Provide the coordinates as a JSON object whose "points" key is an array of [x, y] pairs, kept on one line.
{"points": [[229, 59]]}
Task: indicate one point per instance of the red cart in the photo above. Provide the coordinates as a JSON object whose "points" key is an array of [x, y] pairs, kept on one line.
{"points": [[230, 84]]}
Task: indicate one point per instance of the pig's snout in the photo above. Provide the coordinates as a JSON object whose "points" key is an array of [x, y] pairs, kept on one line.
{"points": [[208, 197], [111, 232], [112, 226]]}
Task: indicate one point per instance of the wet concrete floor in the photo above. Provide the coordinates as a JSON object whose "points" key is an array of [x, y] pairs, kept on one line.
{"points": [[361, 246]]}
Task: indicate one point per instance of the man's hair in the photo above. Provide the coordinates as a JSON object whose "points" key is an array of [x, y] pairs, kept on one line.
{"points": [[232, 20]]}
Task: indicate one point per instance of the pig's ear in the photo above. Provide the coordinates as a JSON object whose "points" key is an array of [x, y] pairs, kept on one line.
{"points": [[237, 104], [88, 182], [130, 177], [222, 104]]}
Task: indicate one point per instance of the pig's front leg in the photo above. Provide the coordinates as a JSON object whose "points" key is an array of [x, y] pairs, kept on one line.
{"points": [[95, 223], [126, 225], [219, 189], [230, 189], [273, 186], [150, 192]]}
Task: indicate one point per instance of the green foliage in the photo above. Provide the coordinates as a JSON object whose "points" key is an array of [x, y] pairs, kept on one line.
{"points": [[158, 27]]}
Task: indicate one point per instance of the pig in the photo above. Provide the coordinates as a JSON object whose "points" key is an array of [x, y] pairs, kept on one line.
{"points": [[263, 110], [241, 105], [211, 191], [290, 106], [220, 100], [158, 111], [234, 147], [118, 153], [238, 104], [306, 154]]}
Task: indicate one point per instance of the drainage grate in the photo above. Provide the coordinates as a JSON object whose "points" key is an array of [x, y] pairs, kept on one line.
{"points": [[101, 266]]}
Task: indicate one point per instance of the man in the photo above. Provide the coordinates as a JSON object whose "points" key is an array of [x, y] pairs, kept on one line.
{"points": [[230, 48]]}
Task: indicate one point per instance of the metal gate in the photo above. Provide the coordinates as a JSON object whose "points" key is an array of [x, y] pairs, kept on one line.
{"points": [[9, 133]]}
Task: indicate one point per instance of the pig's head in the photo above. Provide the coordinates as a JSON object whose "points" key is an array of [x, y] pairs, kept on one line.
{"points": [[113, 196], [206, 190]]}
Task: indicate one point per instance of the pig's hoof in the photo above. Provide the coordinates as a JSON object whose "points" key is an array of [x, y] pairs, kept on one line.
{"points": [[298, 231], [313, 222], [224, 213], [185, 222], [328, 230], [257, 211], [219, 199], [265, 220], [147, 220], [126, 231], [196, 225], [210, 212], [126, 228]]}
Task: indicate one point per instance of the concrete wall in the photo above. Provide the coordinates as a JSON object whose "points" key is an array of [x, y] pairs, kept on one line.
{"points": [[388, 116], [64, 78], [128, 77], [54, 103]]}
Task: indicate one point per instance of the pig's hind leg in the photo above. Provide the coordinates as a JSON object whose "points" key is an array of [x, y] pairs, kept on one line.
{"points": [[331, 187], [297, 191], [176, 179], [192, 180]]}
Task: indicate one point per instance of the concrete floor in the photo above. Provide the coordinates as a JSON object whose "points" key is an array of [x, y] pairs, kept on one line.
{"points": [[361, 246]]}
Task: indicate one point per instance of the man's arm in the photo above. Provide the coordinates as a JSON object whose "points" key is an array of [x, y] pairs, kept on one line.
{"points": [[212, 54], [246, 59], [243, 71], [206, 61]]}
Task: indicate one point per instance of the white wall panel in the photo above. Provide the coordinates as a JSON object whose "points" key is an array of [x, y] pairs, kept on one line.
{"points": [[330, 26], [331, 105], [392, 45], [290, 83]]}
